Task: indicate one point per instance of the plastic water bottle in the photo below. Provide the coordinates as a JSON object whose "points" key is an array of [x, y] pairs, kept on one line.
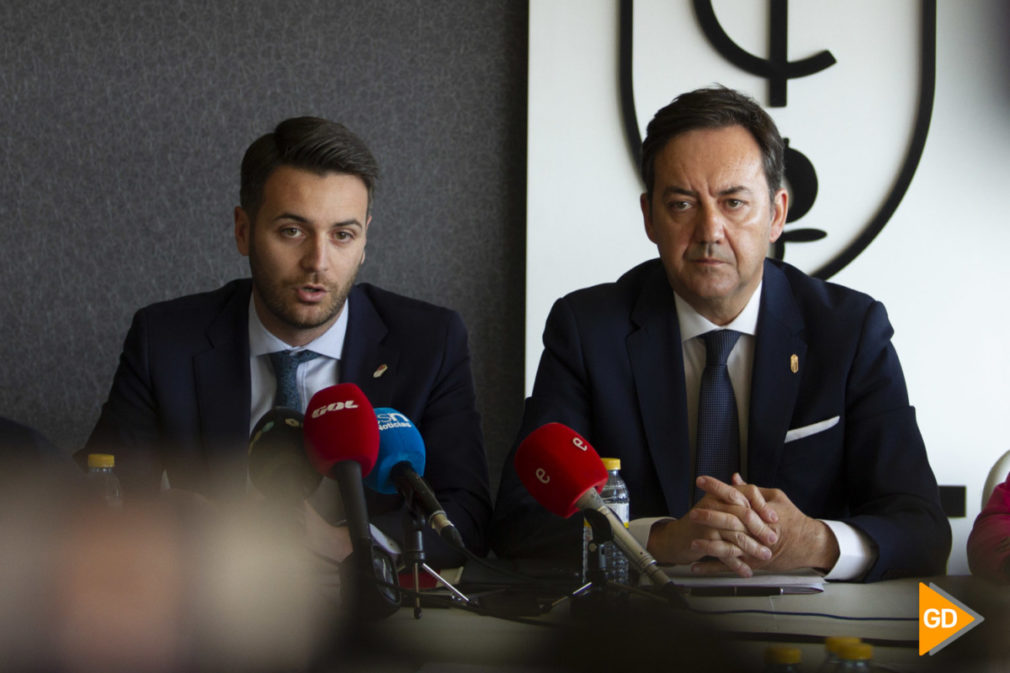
{"points": [[102, 478], [612, 560], [832, 645], [782, 659], [856, 658]]}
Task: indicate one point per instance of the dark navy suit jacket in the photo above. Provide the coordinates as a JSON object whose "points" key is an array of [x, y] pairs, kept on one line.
{"points": [[180, 400], [612, 369]]}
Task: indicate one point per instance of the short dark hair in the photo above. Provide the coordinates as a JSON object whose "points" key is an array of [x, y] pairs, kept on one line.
{"points": [[309, 143], [716, 107]]}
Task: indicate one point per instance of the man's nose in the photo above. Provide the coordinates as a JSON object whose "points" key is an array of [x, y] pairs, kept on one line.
{"points": [[709, 226], [315, 254]]}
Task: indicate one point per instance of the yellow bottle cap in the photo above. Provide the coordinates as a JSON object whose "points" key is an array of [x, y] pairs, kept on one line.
{"points": [[780, 654], [611, 464], [833, 643], [101, 460], [856, 652]]}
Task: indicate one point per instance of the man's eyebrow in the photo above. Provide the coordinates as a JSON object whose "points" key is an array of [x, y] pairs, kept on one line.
{"points": [[291, 216], [353, 222], [735, 189], [670, 191]]}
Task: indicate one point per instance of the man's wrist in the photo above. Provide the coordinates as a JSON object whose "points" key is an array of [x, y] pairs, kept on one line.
{"points": [[663, 542], [824, 550]]}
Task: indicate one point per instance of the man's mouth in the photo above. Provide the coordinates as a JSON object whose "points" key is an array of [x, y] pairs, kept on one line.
{"points": [[311, 293]]}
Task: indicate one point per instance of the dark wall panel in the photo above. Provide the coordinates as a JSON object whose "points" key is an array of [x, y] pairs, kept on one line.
{"points": [[123, 126]]}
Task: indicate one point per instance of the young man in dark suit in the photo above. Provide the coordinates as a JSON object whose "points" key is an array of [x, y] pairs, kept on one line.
{"points": [[197, 372], [813, 460]]}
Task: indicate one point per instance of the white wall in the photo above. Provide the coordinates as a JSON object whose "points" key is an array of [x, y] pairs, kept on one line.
{"points": [[938, 265]]}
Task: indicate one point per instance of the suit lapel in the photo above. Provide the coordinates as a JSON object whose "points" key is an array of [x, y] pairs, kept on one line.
{"points": [[221, 375], [366, 360], [657, 364], [774, 384]]}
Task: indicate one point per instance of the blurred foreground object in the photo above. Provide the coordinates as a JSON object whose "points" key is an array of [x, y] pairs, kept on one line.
{"points": [[989, 542], [168, 585]]}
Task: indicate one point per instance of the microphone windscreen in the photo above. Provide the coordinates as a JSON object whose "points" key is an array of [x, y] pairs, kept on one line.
{"points": [[557, 466], [339, 426], [399, 442], [278, 465]]}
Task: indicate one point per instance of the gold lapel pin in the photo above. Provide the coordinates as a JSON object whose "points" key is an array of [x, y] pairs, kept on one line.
{"points": [[383, 367], [794, 363]]}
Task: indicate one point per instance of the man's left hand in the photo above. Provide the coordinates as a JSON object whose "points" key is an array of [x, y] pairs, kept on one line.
{"points": [[802, 542]]}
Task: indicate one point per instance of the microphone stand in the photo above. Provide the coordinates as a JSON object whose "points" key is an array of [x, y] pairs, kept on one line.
{"points": [[413, 557], [596, 575]]}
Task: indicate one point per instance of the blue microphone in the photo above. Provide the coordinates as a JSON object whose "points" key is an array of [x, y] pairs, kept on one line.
{"points": [[399, 467]]}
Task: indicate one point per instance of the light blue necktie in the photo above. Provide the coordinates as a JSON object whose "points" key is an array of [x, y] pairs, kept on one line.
{"points": [[718, 439], [286, 371]]}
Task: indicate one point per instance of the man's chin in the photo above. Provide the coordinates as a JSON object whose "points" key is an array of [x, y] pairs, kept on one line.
{"points": [[709, 286], [312, 318]]}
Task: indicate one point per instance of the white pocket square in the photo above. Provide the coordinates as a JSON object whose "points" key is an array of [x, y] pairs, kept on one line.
{"points": [[812, 429]]}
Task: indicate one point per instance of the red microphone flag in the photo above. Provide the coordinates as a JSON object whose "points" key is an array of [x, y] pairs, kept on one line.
{"points": [[558, 466], [340, 425]]}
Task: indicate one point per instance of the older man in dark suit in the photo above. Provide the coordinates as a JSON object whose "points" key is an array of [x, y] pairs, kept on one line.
{"points": [[760, 415], [197, 372]]}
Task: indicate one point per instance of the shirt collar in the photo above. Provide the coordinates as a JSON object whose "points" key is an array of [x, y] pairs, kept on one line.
{"points": [[694, 324], [330, 343]]}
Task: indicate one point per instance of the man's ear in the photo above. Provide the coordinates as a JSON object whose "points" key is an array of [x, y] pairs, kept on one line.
{"points": [[364, 234], [646, 205], [780, 208], [243, 231]]}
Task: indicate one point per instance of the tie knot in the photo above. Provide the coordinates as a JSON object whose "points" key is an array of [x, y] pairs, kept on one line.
{"points": [[289, 360], [718, 345], [286, 370]]}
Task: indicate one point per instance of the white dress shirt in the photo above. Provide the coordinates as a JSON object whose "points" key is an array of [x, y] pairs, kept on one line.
{"points": [[856, 552], [312, 376]]}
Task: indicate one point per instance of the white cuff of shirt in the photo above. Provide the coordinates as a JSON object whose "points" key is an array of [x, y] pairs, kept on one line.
{"points": [[856, 552], [640, 528]]}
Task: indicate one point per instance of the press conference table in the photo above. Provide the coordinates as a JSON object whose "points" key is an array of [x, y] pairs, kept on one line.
{"points": [[452, 640]]}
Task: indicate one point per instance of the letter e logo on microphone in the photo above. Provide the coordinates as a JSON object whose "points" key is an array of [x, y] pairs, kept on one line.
{"points": [[542, 476], [579, 444], [942, 619]]}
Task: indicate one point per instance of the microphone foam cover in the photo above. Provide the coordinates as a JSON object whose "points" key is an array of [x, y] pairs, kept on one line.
{"points": [[278, 466], [399, 441], [557, 466], [339, 426]]}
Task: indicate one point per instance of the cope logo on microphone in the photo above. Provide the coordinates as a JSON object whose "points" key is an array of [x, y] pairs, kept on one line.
{"points": [[334, 406]]}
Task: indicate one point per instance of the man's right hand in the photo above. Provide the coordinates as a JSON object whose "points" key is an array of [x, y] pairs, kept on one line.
{"points": [[725, 524]]}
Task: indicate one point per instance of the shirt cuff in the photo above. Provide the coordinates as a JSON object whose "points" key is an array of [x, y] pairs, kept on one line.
{"points": [[856, 552], [640, 528]]}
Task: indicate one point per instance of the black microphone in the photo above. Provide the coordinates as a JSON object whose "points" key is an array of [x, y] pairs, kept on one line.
{"points": [[278, 465], [399, 468]]}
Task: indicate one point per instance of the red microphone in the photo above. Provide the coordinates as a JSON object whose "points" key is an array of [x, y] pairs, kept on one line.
{"points": [[563, 472], [558, 466], [340, 426], [342, 441]]}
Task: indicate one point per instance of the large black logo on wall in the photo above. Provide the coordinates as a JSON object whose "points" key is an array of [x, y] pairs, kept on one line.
{"points": [[840, 240]]}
